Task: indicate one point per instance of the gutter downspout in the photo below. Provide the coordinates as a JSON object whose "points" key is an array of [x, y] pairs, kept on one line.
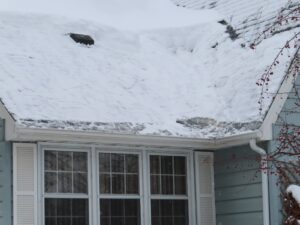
{"points": [[264, 177]]}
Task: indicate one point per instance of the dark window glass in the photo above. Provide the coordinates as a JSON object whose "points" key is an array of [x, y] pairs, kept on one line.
{"points": [[50, 182], [64, 182], [64, 161], [179, 165], [80, 182], [154, 164], [132, 163], [117, 163], [180, 185], [155, 184], [120, 211], [167, 185], [80, 162], [118, 184], [104, 162], [169, 212], [105, 183], [132, 184], [50, 161], [166, 165], [66, 211]]}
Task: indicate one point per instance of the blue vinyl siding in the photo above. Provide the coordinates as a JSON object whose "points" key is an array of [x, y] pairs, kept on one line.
{"points": [[290, 114], [5, 179], [238, 187]]}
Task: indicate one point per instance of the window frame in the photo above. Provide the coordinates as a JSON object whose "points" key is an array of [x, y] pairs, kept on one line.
{"points": [[190, 191], [43, 195], [93, 196], [139, 196]]}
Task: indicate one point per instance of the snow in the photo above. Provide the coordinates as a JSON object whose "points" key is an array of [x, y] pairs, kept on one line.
{"points": [[161, 77], [295, 191], [128, 15]]}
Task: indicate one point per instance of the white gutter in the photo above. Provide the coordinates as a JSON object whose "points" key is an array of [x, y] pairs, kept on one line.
{"points": [[264, 177], [54, 135]]}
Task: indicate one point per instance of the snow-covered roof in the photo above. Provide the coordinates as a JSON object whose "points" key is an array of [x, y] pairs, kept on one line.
{"points": [[176, 74]]}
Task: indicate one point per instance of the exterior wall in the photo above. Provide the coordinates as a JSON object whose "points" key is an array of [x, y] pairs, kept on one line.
{"points": [[290, 114], [238, 187], [5, 179]]}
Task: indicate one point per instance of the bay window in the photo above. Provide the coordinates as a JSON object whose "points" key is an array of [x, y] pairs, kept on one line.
{"points": [[127, 187]]}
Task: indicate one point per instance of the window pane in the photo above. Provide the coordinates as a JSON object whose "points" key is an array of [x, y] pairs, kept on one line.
{"points": [[132, 184], [104, 162], [166, 207], [50, 182], [120, 211], [64, 182], [79, 207], [50, 160], [180, 185], [65, 161], [64, 221], [132, 163], [166, 165], [80, 161], [117, 207], [118, 184], [154, 164], [63, 207], [155, 184], [50, 221], [66, 211], [170, 212], [80, 183], [179, 165], [50, 208], [167, 185], [105, 184], [117, 163]]}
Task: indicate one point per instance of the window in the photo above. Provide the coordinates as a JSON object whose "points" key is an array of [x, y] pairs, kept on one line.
{"points": [[66, 188], [119, 189], [112, 187], [169, 199]]}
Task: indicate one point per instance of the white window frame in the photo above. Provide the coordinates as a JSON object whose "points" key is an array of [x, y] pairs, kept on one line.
{"points": [[120, 196], [189, 182], [44, 195], [93, 178]]}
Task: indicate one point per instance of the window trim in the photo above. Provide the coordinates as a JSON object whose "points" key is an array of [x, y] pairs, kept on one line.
{"points": [[190, 196], [42, 195], [140, 196], [93, 168]]}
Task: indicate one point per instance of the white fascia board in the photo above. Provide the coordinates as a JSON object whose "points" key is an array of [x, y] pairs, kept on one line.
{"points": [[10, 123], [276, 107], [52, 135]]}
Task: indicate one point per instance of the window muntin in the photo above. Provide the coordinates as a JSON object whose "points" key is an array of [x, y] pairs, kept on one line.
{"points": [[168, 185], [66, 188], [119, 176]]}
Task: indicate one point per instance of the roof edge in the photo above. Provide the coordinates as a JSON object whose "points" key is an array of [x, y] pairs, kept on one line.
{"points": [[44, 135], [277, 105]]}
